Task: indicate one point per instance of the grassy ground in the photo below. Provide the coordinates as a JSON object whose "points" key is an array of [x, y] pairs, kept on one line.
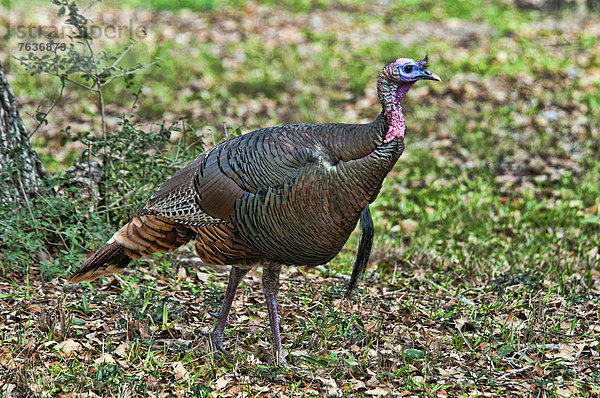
{"points": [[485, 277]]}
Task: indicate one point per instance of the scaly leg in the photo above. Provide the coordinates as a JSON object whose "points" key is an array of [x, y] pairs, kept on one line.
{"points": [[216, 335], [270, 283]]}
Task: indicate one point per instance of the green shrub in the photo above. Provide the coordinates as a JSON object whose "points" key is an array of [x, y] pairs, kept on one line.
{"points": [[56, 231]]}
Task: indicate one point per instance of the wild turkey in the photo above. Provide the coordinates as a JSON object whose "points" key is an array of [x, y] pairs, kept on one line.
{"points": [[281, 195]]}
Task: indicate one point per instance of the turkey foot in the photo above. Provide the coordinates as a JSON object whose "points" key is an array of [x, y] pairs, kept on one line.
{"points": [[216, 335], [216, 342]]}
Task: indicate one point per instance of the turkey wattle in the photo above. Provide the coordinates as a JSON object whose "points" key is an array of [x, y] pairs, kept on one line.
{"points": [[287, 195]]}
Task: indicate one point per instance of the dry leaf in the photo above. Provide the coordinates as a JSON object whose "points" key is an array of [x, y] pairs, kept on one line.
{"points": [[567, 352], [105, 358], [372, 382], [152, 383], [34, 308], [202, 276], [380, 392], [449, 371], [328, 382], [369, 326], [181, 374], [123, 350], [7, 389], [358, 385], [221, 383], [140, 328], [69, 346], [6, 359]]}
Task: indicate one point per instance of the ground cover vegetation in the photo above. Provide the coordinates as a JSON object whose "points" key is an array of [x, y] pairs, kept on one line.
{"points": [[485, 276]]}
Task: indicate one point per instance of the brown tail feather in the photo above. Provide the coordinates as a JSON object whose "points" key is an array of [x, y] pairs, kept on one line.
{"points": [[144, 235], [109, 259]]}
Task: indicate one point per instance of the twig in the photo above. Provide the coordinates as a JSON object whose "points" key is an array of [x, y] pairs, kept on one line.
{"points": [[537, 347], [89, 6], [104, 137], [135, 101], [129, 47], [465, 340], [130, 72], [514, 372], [490, 361], [465, 300], [120, 199], [58, 97], [329, 272]]}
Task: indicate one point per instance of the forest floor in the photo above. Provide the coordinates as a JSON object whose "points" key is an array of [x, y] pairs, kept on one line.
{"points": [[485, 276]]}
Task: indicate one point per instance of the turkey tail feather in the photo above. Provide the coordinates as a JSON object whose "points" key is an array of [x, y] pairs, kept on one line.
{"points": [[142, 236], [364, 249], [107, 260]]}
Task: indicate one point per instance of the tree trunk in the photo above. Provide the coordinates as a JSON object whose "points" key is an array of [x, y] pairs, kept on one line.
{"points": [[22, 175]]}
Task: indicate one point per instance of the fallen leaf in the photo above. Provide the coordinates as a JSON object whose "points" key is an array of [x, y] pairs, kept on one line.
{"points": [[152, 383], [34, 308], [7, 389], [69, 346], [202, 276], [358, 385], [123, 350], [372, 382], [380, 392], [567, 352], [181, 374], [6, 359], [369, 326], [105, 358], [449, 371], [221, 383]]}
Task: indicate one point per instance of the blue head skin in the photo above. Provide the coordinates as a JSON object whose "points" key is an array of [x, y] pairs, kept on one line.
{"points": [[406, 70], [394, 82]]}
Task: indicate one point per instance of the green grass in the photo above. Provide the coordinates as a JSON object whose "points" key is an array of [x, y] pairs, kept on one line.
{"points": [[500, 178]]}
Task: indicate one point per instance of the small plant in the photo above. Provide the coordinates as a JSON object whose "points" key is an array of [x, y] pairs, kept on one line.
{"points": [[81, 66], [55, 231], [136, 163]]}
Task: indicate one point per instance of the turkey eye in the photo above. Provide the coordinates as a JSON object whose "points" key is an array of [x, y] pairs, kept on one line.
{"points": [[408, 68]]}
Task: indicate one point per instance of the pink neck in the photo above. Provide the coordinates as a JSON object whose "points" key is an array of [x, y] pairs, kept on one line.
{"points": [[393, 112]]}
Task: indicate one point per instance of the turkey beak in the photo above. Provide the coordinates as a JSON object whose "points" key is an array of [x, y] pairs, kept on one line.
{"points": [[428, 75]]}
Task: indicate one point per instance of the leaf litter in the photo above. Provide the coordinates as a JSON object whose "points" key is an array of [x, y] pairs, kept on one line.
{"points": [[406, 336]]}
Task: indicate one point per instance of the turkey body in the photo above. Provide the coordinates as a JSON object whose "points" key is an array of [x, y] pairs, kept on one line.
{"points": [[290, 194], [287, 195]]}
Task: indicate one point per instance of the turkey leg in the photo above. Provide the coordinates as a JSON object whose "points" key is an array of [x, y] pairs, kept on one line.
{"points": [[216, 335], [270, 282]]}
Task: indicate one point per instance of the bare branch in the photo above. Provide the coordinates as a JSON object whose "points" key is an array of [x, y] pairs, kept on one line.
{"points": [[129, 72], [52, 105], [129, 47]]}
